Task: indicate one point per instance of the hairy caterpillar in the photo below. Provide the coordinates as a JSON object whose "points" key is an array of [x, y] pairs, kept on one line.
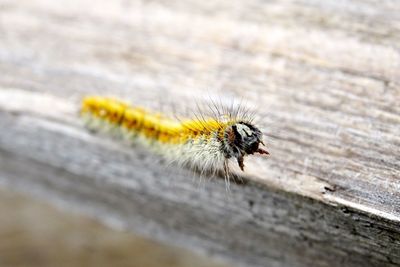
{"points": [[204, 143]]}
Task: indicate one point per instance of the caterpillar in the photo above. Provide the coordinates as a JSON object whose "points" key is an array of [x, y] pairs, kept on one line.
{"points": [[203, 143]]}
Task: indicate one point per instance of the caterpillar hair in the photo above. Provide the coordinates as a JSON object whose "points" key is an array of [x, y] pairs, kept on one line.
{"points": [[205, 143]]}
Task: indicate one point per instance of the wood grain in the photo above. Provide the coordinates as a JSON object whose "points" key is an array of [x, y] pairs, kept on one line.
{"points": [[323, 77]]}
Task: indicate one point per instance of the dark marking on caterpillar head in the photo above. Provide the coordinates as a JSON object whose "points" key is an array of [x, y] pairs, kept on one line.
{"points": [[241, 139]]}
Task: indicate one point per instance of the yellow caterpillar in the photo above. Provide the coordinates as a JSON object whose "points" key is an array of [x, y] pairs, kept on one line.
{"points": [[204, 144]]}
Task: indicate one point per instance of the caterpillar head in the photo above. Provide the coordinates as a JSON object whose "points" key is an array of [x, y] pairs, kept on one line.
{"points": [[242, 139]]}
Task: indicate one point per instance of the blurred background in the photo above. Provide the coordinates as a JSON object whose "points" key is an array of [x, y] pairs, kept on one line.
{"points": [[35, 233]]}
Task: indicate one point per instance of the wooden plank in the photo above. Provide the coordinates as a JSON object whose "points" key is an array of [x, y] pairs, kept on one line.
{"points": [[323, 77]]}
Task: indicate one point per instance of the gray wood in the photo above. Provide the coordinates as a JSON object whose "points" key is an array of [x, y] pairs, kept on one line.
{"points": [[323, 78]]}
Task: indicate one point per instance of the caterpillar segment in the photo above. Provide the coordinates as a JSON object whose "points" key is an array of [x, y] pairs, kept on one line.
{"points": [[204, 144]]}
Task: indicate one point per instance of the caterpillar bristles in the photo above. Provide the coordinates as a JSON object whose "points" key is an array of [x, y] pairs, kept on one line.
{"points": [[204, 144]]}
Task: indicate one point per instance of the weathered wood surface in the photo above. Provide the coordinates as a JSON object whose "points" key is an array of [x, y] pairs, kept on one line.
{"points": [[325, 78]]}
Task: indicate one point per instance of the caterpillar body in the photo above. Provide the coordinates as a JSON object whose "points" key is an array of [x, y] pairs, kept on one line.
{"points": [[202, 144]]}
